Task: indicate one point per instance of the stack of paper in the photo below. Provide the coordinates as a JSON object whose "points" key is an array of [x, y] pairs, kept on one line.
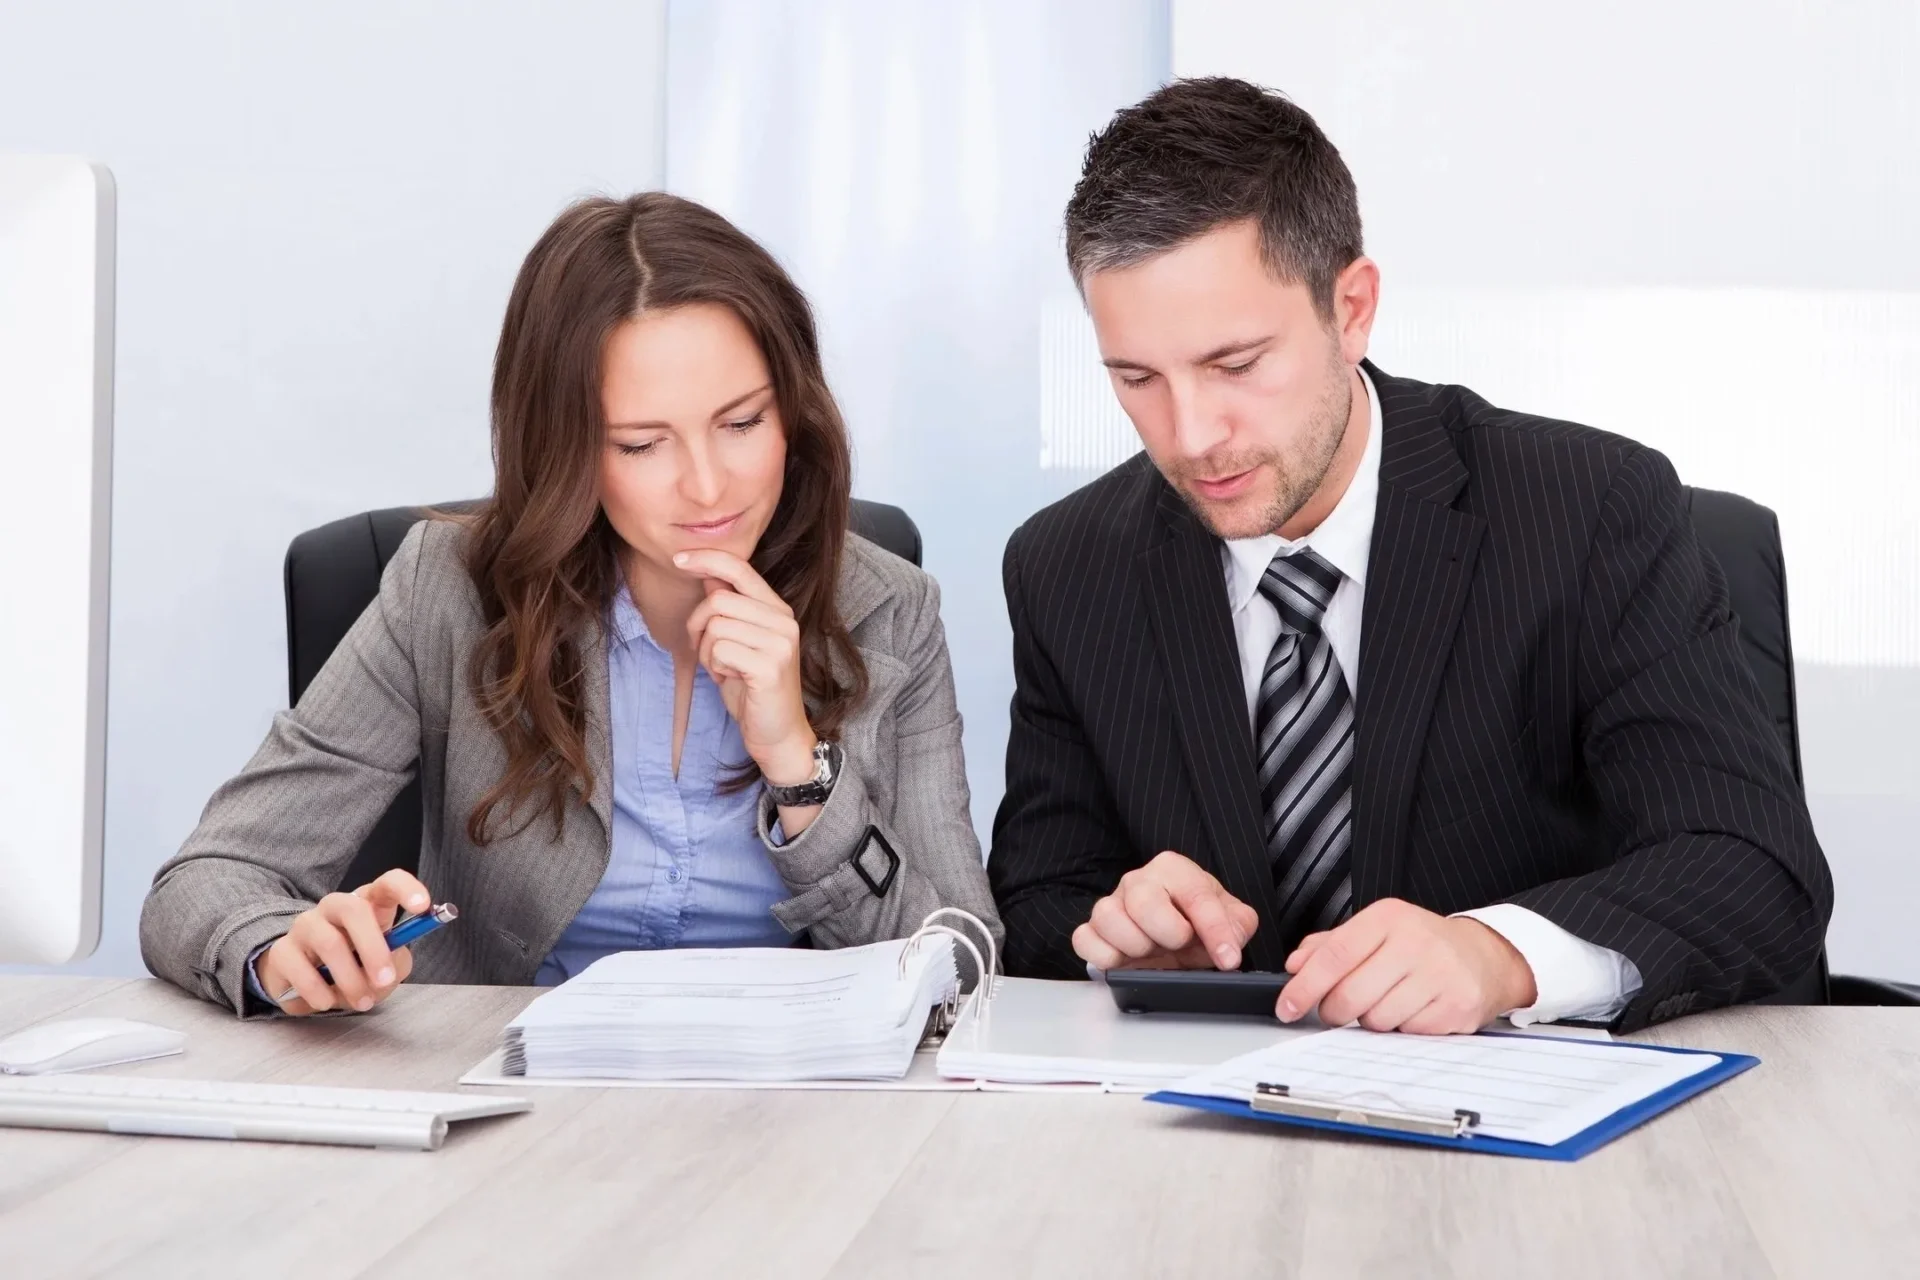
{"points": [[736, 1014]]}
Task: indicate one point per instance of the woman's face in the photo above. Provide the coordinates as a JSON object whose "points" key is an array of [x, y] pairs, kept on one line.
{"points": [[695, 449]]}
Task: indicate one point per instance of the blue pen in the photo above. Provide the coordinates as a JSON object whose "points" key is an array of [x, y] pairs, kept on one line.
{"points": [[411, 929]]}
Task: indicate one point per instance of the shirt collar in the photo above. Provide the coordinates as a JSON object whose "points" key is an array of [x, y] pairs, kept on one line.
{"points": [[1344, 539], [623, 616]]}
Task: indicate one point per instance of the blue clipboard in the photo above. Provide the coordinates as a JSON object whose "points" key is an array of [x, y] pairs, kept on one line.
{"points": [[1587, 1141]]}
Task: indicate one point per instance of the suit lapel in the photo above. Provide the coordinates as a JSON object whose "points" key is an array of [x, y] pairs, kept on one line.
{"points": [[1187, 601], [1419, 572]]}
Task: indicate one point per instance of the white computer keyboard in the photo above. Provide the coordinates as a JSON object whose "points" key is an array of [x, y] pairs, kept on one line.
{"points": [[261, 1112]]}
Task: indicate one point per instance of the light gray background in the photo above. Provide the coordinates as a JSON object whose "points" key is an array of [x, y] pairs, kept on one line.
{"points": [[1691, 224], [909, 163], [321, 210]]}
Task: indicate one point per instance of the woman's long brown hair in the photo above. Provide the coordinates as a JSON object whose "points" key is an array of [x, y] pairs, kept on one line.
{"points": [[540, 550]]}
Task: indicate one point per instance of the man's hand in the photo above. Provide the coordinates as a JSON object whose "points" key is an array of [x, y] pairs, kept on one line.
{"points": [[1398, 967], [1169, 914]]}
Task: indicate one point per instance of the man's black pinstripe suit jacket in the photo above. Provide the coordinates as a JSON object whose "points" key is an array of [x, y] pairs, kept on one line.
{"points": [[1553, 710]]}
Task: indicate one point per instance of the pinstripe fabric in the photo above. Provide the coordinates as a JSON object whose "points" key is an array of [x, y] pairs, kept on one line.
{"points": [[1553, 710], [1303, 745]]}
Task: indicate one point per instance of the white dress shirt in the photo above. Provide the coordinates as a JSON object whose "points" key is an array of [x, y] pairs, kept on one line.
{"points": [[1573, 978]]}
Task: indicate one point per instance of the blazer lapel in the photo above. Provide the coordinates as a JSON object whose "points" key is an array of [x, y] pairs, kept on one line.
{"points": [[1418, 576], [1187, 601], [571, 868], [593, 661]]}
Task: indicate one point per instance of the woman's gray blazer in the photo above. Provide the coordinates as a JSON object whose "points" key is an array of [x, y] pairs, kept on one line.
{"points": [[395, 699]]}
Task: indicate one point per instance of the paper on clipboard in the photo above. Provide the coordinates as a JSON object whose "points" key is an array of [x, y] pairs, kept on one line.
{"points": [[1522, 1088]]}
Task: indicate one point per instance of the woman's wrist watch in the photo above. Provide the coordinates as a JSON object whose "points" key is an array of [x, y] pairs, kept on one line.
{"points": [[815, 790]]}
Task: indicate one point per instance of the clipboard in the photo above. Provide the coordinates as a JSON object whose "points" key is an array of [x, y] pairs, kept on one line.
{"points": [[1273, 1105]]}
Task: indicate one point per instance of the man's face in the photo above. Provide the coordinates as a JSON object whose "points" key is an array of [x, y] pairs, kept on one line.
{"points": [[1239, 388]]}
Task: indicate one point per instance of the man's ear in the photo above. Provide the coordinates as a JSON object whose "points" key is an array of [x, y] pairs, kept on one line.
{"points": [[1356, 300]]}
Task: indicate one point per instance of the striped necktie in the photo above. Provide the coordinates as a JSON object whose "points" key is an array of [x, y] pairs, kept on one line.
{"points": [[1303, 737]]}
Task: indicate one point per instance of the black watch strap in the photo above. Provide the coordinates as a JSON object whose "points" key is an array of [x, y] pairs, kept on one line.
{"points": [[815, 790]]}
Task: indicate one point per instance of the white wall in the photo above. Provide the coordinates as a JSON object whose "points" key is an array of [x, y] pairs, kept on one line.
{"points": [[321, 210], [909, 163], [1693, 224]]}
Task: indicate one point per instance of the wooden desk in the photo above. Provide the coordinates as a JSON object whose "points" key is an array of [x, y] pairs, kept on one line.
{"points": [[1807, 1166]]}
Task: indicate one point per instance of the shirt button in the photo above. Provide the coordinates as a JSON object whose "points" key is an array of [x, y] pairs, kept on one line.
{"points": [[674, 875]]}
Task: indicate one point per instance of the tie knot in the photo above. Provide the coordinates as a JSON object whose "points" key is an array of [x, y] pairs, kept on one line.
{"points": [[1301, 586]]}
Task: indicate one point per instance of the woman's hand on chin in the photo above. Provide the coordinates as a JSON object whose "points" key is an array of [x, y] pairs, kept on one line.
{"points": [[749, 643]]}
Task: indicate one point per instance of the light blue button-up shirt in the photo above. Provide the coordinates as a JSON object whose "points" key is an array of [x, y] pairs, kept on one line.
{"points": [[687, 868]]}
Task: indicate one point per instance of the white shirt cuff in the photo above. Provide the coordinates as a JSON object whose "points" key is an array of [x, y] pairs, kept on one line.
{"points": [[1572, 978]]}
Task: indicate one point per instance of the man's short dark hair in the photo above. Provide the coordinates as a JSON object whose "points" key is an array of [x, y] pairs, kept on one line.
{"points": [[1199, 154]]}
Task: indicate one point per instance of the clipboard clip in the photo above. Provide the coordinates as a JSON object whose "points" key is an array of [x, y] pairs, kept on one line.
{"points": [[1277, 1099]]}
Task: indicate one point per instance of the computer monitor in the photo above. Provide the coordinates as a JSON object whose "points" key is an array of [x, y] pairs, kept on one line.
{"points": [[56, 447]]}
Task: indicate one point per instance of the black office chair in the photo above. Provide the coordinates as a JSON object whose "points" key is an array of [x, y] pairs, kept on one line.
{"points": [[333, 573], [1744, 537]]}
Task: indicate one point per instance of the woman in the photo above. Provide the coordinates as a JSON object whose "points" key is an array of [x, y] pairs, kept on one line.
{"points": [[656, 693]]}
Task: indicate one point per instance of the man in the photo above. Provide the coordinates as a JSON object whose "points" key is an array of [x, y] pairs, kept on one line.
{"points": [[1434, 705]]}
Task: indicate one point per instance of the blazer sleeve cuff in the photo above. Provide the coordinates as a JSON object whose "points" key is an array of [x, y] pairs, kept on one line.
{"points": [[225, 968], [819, 863]]}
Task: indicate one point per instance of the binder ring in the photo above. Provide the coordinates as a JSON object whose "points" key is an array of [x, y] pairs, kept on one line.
{"points": [[950, 1007], [927, 931], [989, 982]]}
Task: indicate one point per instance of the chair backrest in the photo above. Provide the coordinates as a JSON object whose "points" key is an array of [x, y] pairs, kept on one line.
{"points": [[1744, 538], [332, 574]]}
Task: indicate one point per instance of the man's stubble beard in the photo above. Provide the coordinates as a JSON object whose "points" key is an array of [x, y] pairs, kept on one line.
{"points": [[1299, 477]]}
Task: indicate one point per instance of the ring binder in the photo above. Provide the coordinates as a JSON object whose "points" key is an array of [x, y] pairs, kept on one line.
{"points": [[746, 1014], [948, 1013], [993, 955], [1277, 1099]]}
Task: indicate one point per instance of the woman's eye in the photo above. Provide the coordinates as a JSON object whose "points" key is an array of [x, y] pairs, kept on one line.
{"points": [[748, 424], [636, 450]]}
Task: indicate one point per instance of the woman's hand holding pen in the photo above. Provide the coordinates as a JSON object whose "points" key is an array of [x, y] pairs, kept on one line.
{"points": [[343, 933]]}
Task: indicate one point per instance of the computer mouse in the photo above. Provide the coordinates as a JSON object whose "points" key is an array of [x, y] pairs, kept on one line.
{"points": [[75, 1044]]}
